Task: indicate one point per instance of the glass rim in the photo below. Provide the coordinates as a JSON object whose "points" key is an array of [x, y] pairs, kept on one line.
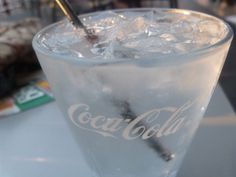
{"points": [[201, 51]]}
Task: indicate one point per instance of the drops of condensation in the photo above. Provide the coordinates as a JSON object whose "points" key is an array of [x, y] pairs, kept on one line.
{"points": [[135, 34]]}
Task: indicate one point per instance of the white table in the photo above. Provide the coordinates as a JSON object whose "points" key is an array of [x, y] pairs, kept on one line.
{"points": [[38, 143]]}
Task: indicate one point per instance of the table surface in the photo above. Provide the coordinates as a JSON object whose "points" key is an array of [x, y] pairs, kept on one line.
{"points": [[38, 143]]}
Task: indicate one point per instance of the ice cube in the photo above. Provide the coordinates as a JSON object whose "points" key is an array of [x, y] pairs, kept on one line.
{"points": [[209, 26], [104, 20], [119, 51], [168, 37], [132, 28], [181, 27]]}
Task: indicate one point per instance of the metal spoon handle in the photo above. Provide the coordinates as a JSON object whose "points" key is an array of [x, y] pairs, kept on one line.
{"points": [[127, 113], [70, 14]]}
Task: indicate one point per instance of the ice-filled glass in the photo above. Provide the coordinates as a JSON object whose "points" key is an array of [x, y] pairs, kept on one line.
{"points": [[134, 98]]}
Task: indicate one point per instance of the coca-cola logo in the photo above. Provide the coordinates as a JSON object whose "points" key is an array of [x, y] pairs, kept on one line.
{"points": [[130, 129]]}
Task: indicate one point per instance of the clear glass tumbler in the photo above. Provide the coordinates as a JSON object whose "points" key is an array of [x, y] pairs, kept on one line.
{"points": [[135, 117]]}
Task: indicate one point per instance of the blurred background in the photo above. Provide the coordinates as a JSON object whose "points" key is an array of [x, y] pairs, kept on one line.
{"points": [[21, 19]]}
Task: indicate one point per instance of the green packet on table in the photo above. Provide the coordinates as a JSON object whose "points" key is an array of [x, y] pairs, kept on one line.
{"points": [[35, 94]]}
